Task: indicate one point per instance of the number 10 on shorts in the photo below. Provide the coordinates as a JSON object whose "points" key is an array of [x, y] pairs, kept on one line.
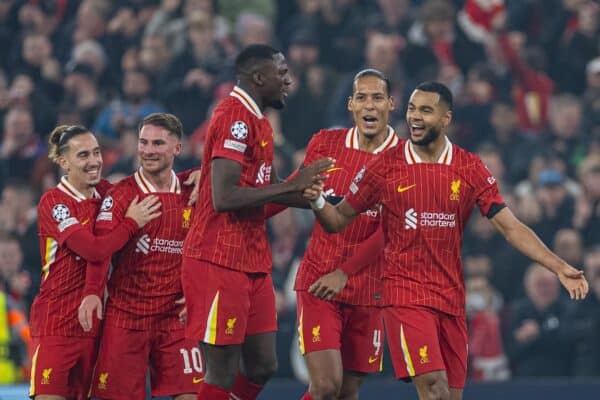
{"points": [[196, 361]]}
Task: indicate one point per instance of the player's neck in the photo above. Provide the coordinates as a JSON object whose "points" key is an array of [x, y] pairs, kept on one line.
{"points": [[161, 180], [370, 144], [86, 190], [253, 93], [430, 153]]}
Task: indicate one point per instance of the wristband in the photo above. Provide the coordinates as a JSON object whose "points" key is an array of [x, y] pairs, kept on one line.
{"points": [[318, 204]]}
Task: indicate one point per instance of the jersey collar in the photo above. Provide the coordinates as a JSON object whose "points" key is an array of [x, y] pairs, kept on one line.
{"points": [[246, 100], [413, 158], [390, 141], [66, 187], [146, 187]]}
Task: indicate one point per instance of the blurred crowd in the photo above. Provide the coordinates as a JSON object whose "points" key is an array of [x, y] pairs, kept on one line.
{"points": [[526, 79]]}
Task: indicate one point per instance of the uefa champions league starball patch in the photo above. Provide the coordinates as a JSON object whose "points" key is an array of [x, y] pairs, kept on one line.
{"points": [[239, 130], [60, 212]]}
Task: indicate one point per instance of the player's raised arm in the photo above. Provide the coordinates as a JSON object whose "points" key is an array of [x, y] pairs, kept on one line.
{"points": [[527, 242], [228, 195], [332, 218]]}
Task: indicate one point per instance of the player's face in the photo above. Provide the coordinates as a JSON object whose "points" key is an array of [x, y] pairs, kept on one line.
{"points": [[370, 105], [83, 161], [276, 82], [427, 117], [157, 149]]}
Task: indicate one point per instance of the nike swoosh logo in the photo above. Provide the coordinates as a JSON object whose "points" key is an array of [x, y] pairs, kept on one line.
{"points": [[372, 359], [85, 222], [405, 188], [197, 380], [264, 143]]}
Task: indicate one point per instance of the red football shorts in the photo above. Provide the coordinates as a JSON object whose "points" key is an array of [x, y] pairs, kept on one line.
{"points": [[357, 331], [174, 362], [422, 340], [223, 305], [62, 366]]}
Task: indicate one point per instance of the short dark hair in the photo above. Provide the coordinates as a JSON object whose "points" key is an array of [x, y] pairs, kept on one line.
{"points": [[164, 120], [373, 72], [251, 54], [439, 88]]}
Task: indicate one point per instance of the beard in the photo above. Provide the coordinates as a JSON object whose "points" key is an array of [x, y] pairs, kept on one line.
{"points": [[430, 137]]}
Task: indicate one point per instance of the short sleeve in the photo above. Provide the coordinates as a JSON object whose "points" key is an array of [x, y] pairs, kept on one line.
{"points": [[112, 210], [487, 194], [313, 150], [366, 188], [58, 217], [232, 136]]}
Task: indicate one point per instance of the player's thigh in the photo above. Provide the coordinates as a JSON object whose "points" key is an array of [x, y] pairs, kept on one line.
{"points": [[413, 339], [453, 342], [222, 363], [120, 371], [54, 364], [319, 323], [362, 338], [262, 314], [176, 364], [217, 301]]}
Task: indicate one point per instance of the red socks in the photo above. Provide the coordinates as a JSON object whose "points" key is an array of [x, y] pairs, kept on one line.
{"points": [[243, 389], [211, 392], [306, 396]]}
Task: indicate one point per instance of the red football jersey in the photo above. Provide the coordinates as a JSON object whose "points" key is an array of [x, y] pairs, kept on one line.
{"points": [[61, 212], [325, 251], [146, 276], [238, 131], [425, 207]]}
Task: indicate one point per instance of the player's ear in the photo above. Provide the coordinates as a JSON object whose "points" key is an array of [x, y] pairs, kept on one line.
{"points": [[392, 103], [447, 118], [63, 163], [349, 103], [178, 149]]}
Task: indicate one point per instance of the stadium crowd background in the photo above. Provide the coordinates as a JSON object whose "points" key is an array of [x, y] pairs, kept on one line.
{"points": [[525, 75]]}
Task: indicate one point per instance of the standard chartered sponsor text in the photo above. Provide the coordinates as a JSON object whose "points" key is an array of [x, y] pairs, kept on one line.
{"points": [[167, 246], [439, 219]]}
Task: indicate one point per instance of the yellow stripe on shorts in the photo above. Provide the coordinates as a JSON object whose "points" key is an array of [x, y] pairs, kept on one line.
{"points": [[300, 333], [210, 335], [33, 367], [409, 364]]}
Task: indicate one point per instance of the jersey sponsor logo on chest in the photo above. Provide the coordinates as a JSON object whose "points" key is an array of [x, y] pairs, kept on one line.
{"points": [[414, 219], [264, 174], [147, 245]]}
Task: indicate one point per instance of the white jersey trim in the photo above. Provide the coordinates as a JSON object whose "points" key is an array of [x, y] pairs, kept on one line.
{"points": [[413, 158], [147, 187], [65, 186], [246, 101]]}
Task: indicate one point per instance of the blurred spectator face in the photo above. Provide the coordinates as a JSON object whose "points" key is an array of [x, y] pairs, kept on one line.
{"points": [[91, 22], [592, 270], [482, 228], [551, 190], [18, 126], [504, 119], [301, 56], [593, 74], [308, 6], [79, 78], [130, 60], [20, 90], [370, 105], [438, 19], [252, 28], [36, 49], [565, 118], [479, 89], [157, 149], [202, 5], [155, 54], [201, 30], [589, 173], [136, 86], [382, 52], [31, 17], [478, 265], [18, 199], [568, 245], [11, 257], [91, 53], [542, 286], [82, 160]]}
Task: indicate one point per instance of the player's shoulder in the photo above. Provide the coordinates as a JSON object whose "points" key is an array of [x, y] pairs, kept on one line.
{"points": [[463, 158], [330, 136], [230, 110], [55, 196], [126, 187]]}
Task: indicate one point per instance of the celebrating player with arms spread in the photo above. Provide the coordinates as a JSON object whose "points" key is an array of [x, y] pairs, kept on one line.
{"points": [[64, 354], [142, 331], [427, 188]]}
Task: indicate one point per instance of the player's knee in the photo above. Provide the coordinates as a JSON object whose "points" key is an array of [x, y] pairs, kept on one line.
{"points": [[325, 389], [438, 390], [262, 372]]}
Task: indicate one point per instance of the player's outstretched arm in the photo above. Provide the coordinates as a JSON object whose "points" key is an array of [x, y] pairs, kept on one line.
{"points": [[227, 195], [527, 242]]}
